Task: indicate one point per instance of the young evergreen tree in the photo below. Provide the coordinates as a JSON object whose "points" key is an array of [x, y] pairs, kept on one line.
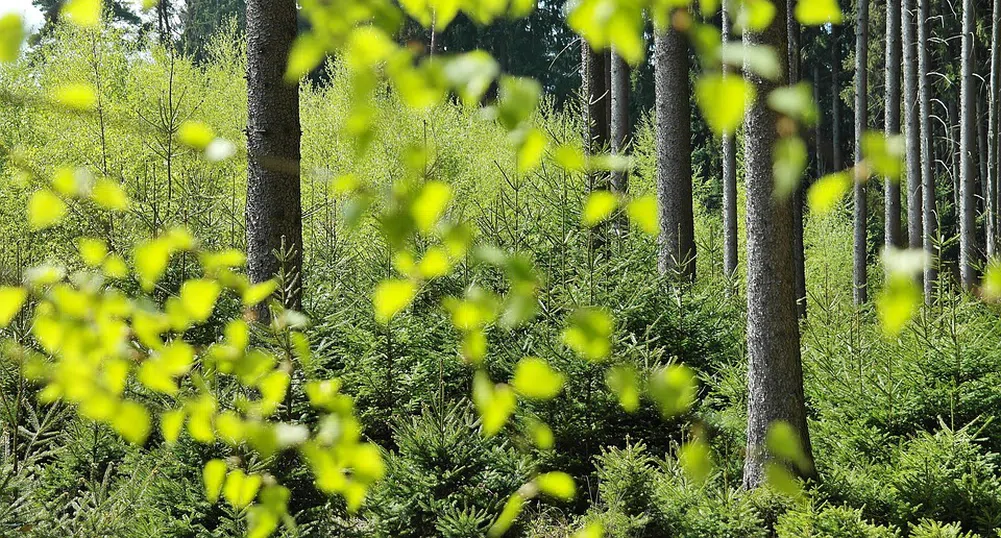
{"points": [[967, 145], [775, 374], [674, 156], [891, 107], [860, 274], [274, 210]]}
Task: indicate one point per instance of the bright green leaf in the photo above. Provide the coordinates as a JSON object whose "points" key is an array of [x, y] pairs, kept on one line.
{"points": [[557, 484], [643, 213], [599, 207], [213, 475], [818, 12], [12, 35], [391, 297], [198, 297], [533, 378], [11, 301], [827, 191], [45, 209], [83, 12], [723, 101]]}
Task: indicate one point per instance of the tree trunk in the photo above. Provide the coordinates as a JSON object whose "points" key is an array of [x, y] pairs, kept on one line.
{"points": [[596, 97], [620, 126], [837, 158], [729, 179], [967, 143], [775, 376], [274, 212], [993, 104], [860, 255], [911, 119], [891, 187], [798, 251], [818, 128], [927, 143], [674, 160]]}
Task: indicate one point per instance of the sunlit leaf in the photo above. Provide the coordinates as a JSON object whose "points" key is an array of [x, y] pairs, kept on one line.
{"points": [[517, 99], [82, 12], [198, 297], [495, 403], [782, 480], [240, 488], [593, 529], [990, 288], [541, 433], [557, 484], [258, 292], [45, 210], [12, 35], [306, 54], [471, 75], [789, 160], [897, 303], [391, 297], [695, 459], [110, 195], [643, 213], [213, 475], [132, 422], [195, 134], [533, 378], [818, 12], [624, 382], [589, 333], [754, 15], [151, 262], [884, 154], [599, 207], [759, 59], [11, 301], [531, 148], [92, 251], [434, 264], [826, 192], [570, 158], [796, 102], [785, 443], [673, 388], [81, 97], [512, 508], [723, 101], [430, 204], [171, 424]]}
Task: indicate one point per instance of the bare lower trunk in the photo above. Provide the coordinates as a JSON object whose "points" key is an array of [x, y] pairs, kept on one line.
{"points": [[928, 220], [860, 275], [911, 119], [620, 125], [891, 187], [775, 378], [798, 251], [674, 164], [274, 212], [993, 104], [837, 158], [729, 181], [967, 143]]}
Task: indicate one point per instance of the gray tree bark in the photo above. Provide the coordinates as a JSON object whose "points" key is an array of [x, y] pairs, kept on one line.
{"points": [[967, 144], [891, 188], [798, 250], [620, 127], [911, 118], [729, 178], [775, 376], [674, 161], [993, 104], [596, 97], [860, 268], [620, 118], [928, 220], [274, 212]]}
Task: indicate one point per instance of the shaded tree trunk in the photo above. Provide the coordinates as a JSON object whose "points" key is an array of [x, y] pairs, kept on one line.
{"points": [[860, 275], [928, 220], [775, 377], [993, 102], [911, 119], [818, 128], [674, 160], [596, 98], [798, 250], [967, 145], [837, 158], [891, 187], [620, 125], [274, 212], [729, 179]]}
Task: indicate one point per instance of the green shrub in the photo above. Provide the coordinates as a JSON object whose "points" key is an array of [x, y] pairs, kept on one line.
{"points": [[829, 522]]}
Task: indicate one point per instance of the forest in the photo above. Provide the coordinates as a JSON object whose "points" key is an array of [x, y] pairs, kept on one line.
{"points": [[484, 268]]}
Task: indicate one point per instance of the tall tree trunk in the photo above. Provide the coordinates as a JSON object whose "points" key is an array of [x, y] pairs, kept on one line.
{"points": [[837, 158], [927, 144], [620, 125], [596, 98], [892, 235], [798, 251], [860, 274], [911, 119], [729, 178], [674, 160], [967, 143], [993, 104], [775, 376], [818, 128], [274, 212]]}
